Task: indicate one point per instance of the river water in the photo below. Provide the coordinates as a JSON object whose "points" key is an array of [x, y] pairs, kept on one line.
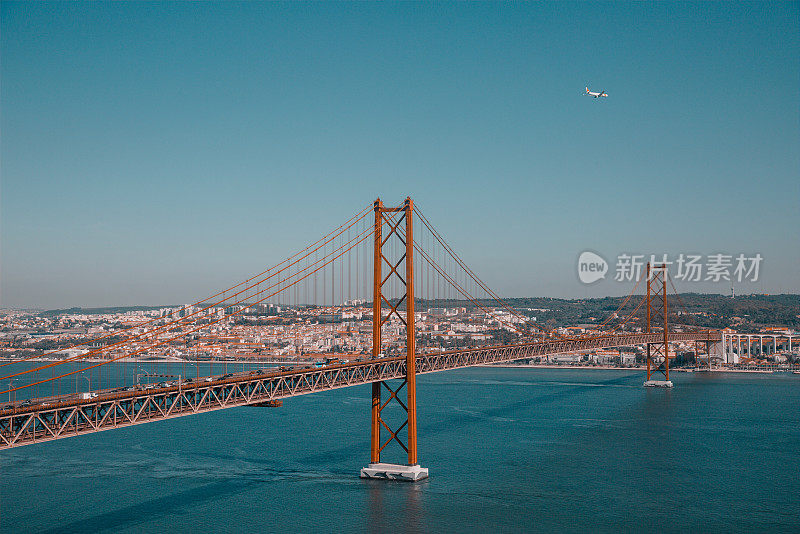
{"points": [[508, 450]]}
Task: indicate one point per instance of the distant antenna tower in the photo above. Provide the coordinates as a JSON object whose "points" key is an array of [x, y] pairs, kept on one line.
{"points": [[733, 293]]}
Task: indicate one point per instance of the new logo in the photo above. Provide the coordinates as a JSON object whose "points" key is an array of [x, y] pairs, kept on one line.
{"points": [[591, 267]]}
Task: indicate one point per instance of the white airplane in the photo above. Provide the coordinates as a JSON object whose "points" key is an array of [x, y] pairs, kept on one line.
{"points": [[596, 95]]}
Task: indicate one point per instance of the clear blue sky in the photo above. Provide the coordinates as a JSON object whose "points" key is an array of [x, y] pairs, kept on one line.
{"points": [[154, 152]]}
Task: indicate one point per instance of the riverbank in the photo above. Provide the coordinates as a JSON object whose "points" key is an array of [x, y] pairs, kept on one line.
{"points": [[642, 368], [161, 360], [308, 362]]}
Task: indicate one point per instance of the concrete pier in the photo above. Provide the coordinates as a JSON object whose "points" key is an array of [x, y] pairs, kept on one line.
{"points": [[658, 384], [409, 473]]}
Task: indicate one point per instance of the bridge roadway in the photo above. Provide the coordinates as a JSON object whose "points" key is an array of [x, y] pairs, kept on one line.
{"points": [[69, 415]]}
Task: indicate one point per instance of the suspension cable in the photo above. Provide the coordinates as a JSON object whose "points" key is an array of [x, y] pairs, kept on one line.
{"points": [[347, 224], [362, 237]]}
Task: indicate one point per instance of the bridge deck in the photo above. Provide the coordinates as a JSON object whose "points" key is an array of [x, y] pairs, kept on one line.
{"points": [[69, 415]]}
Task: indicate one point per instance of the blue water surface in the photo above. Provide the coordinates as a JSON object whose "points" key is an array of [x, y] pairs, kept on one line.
{"points": [[508, 450]]}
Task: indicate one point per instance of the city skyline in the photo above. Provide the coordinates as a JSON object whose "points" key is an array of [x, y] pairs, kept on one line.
{"points": [[176, 148]]}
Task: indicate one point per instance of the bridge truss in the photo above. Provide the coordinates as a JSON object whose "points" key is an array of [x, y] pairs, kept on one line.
{"points": [[55, 419]]}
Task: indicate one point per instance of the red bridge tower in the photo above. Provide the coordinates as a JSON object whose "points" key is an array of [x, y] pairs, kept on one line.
{"points": [[657, 315], [411, 471]]}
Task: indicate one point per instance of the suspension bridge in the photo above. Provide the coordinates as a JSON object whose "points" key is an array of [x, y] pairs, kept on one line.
{"points": [[374, 257]]}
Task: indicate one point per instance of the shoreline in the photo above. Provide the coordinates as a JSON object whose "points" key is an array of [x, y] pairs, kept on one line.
{"points": [[607, 368], [500, 365], [149, 360], [542, 366]]}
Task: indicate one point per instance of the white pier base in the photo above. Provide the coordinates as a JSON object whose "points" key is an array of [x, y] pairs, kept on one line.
{"points": [[658, 384], [410, 473]]}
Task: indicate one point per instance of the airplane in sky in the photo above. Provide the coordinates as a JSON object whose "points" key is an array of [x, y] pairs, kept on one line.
{"points": [[596, 95]]}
